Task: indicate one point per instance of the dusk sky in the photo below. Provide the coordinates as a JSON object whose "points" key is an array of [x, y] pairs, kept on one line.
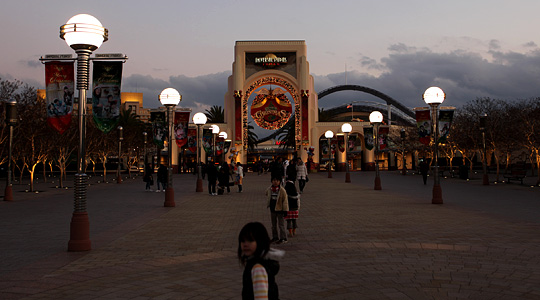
{"points": [[473, 48]]}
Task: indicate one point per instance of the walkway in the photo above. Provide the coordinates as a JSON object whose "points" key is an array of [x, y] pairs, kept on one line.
{"points": [[353, 242]]}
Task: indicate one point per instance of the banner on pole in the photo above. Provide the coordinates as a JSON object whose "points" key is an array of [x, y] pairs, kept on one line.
{"points": [[59, 80], [445, 121], [159, 128], [207, 140], [368, 137], [181, 120], [192, 140], [106, 94], [423, 123], [383, 137]]}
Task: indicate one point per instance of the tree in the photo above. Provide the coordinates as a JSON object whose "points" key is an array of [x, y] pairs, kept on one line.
{"points": [[216, 114], [252, 137], [288, 137]]}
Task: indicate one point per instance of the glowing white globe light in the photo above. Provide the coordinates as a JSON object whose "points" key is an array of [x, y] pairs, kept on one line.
{"points": [[84, 31], [169, 96], [199, 118], [434, 95], [375, 117]]}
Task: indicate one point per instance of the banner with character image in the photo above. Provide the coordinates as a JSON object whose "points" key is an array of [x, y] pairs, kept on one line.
{"points": [[59, 80], [106, 94]]}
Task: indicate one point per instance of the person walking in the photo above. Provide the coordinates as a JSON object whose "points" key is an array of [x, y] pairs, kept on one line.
{"points": [[294, 206], [239, 175], [424, 168], [291, 171], [279, 205], [162, 177], [260, 263], [148, 177], [223, 179], [212, 173], [301, 174], [276, 169]]}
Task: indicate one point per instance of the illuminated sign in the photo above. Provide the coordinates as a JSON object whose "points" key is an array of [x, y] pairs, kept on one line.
{"points": [[270, 60]]}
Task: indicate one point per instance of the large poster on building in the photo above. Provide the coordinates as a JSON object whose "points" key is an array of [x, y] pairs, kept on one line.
{"points": [[106, 94], [59, 81], [271, 109]]}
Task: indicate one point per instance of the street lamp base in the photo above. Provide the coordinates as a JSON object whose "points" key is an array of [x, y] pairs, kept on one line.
{"points": [[119, 179], [169, 197], [347, 177], [80, 232], [8, 193], [437, 195], [378, 183], [404, 171], [329, 174], [485, 179], [199, 185]]}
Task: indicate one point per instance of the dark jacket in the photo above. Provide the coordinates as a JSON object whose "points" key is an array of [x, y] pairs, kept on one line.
{"points": [[292, 195], [212, 172], [272, 268], [162, 174]]}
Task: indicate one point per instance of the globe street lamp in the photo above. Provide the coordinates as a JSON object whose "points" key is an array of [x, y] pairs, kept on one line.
{"points": [[346, 128], [199, 119], [84, 34], [11, 120], [485, 177], [215, 132], [434, 96], [329, 135], [120, 139], [376, 118], [170, 98], [223, 135], [403, 135]]}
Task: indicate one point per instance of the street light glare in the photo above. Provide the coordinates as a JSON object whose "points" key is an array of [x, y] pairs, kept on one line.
{"points": [[434, 95], [346, 128], [329, 134], [82, 31], [169, 96], [199, 118], [375, 117]]}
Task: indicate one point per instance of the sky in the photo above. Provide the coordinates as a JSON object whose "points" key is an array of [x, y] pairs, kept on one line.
{"points": [[469, 48]]}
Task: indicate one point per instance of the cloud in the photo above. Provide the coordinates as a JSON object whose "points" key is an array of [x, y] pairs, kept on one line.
{"points": [[198, 93], [403, 75], [463, 75]]}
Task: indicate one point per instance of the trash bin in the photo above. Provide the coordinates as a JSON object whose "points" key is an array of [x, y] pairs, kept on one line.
{"points": [[463, 172]]}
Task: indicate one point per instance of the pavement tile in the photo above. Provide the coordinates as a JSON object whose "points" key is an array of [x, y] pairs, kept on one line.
{"points": [[353, 242]]}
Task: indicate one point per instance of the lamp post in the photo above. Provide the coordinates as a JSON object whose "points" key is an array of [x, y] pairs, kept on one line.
{"points": [[199, 119], [84, 34], [404, 169], [170, 98], [120, 139], [346, 128], [11, 120], [329, 135], [223, 135], [434, 96], [376, 118], [485, 177], [215, 132], [145, 134]]}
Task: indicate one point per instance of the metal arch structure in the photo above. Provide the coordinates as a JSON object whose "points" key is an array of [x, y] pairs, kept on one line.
{"points": [[350, 87]]}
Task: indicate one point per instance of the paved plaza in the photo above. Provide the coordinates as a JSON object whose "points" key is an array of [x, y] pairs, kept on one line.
{"points": [[353, 242]]}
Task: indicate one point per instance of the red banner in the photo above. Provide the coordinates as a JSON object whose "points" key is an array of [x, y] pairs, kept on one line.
{"points": [[181, 120], [383, 137], [271, 108], [59, 81], [423, 122], [192, 140]]}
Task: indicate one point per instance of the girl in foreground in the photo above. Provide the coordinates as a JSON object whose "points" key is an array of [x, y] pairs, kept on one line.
{"points": [[260, 264]]}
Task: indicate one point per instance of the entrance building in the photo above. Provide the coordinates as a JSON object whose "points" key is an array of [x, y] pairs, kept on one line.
{"points": [[265, 76]]}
